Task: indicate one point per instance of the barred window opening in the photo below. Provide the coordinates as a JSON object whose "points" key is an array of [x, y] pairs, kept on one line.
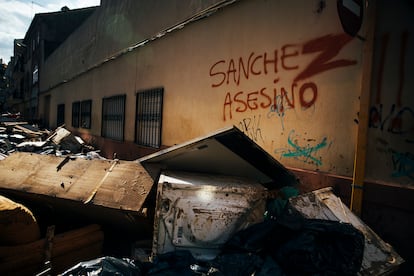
{"points": [[113, 117], [75, 114], [60, 120], [148, 123]]}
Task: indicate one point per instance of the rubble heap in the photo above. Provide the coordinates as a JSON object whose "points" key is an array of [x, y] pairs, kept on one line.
{"points": [[16, 135]]}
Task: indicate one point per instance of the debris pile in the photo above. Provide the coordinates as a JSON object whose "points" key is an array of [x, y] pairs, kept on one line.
{"points": [[216, 205], [21, 136], [313, 234]]}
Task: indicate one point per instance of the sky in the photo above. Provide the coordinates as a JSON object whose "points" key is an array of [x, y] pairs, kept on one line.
{"points": [[16, 16]]}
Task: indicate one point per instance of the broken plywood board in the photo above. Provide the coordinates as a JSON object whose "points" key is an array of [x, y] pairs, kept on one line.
{"points": [[125, 186], [379, 257]]}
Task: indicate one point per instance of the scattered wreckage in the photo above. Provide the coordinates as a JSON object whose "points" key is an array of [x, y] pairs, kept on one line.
{"points": [[215, 205]]}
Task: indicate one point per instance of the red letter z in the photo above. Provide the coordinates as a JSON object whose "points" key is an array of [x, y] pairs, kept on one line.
{"points": [[328, 46]]}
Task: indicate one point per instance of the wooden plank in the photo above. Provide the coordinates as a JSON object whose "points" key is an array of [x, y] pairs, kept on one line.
{"points": [[361, 143], [65, 262], [92, 195], [68, 247], [125, 187], [130, 183], [61, 242]]}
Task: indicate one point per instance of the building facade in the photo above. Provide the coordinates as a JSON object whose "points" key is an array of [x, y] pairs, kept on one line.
{"points": [[322, 86], [46, 32], [232, 63]]}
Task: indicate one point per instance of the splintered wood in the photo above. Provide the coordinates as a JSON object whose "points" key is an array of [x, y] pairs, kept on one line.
{"points": [[123, 186]]}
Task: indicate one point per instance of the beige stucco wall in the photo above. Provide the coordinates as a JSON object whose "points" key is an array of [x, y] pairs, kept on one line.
{"points": [[300, 106], [390, 156], [114, 26]]}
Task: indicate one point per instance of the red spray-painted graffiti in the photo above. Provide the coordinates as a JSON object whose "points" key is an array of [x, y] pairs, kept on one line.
{"points": [[241, 101], [234, 71], [329, 47], [399, 119]]}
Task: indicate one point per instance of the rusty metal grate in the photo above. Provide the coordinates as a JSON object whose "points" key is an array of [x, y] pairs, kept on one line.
{"points": [[75, 114], [148, 124], [113, 117], [60, 120], [85, 114]]}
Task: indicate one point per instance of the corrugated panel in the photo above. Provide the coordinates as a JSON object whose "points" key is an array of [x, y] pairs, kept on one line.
{"points": [[125, 186]]}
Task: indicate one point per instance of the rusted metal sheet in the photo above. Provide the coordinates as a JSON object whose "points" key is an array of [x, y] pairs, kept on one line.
{"points": [[379, 257], [109, 183], [200, 212]]}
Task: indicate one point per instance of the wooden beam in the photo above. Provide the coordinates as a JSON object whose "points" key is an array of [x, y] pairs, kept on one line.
{"points": [[68, 249], [362, 132]]}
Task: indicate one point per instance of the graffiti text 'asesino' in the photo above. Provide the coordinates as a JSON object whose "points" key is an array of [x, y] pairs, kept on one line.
{"points": [[234, 71]]}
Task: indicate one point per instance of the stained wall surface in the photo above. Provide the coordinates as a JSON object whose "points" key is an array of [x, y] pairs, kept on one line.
{"points": [[390, 156], [284, 72]]}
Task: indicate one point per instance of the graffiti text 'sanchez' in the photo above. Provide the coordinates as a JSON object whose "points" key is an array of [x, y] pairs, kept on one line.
{"points": [[233, 72]]}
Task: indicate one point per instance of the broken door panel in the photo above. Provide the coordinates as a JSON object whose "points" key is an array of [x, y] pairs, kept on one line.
{"points": [[227, 151]]}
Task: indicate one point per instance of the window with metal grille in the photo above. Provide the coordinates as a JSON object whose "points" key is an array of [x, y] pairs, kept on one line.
{"points": [[86, 113], [60, 120], [75, 114], [113, 117], [148, 123], [81, 114]]}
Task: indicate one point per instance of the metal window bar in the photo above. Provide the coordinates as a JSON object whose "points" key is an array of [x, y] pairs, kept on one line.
{"points": [[75, 114], [149, 117], [113, 117], [60, 120], [85, 113]]}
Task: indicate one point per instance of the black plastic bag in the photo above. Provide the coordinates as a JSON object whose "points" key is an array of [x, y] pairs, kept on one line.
{"points": [[105, 266], [303, 246], [322, 247]]}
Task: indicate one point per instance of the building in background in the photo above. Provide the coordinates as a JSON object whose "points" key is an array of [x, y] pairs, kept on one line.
{"points": [[4, 85], [46, 32]]}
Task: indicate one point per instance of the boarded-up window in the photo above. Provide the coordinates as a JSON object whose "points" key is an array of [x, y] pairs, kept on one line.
{"points": [[86, 113], [60, 120], [75, 114], [148, 124], [113, 117]]}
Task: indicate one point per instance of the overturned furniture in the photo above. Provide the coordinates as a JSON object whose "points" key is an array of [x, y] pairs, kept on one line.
{"points": [[75, 191], [199, 212], [209, 188], [225, 164], [183, 223]]}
